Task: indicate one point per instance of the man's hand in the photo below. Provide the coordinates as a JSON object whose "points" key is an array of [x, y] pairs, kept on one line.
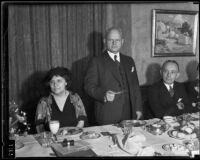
{"points": [[196, 88], [180, 105], [138, 114], [110, 96]]}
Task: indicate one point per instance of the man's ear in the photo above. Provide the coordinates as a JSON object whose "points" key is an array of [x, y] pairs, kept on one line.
{"points": [[161, 72], [104, 41], [122, 41], [177, 75]]}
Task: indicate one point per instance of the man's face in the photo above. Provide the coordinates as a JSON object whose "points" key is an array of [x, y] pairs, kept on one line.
{"points": [[170, 72], [114, 41]]}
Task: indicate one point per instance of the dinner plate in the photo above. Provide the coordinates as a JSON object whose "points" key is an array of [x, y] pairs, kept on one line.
{"points": [[175, 148], [188, 117], [132, 123], [90, 135], [186, 136], [192, 145], [70, 131]]}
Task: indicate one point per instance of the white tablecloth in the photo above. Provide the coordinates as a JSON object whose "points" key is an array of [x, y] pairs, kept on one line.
{"points": [[100, 146]]}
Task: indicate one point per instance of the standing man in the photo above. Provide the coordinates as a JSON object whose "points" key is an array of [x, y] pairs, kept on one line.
{"points": [[168, 97], [112, 81]]}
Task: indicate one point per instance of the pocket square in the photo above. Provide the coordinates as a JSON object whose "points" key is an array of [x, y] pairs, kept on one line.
{"points": [[132, 69]]}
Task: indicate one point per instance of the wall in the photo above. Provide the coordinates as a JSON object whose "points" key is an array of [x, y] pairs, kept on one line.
{"points": [[136, 22]]}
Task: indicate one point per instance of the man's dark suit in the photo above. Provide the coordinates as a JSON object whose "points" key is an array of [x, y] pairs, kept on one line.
{"points": [[102, 75], [193, 95], [162, 104]]}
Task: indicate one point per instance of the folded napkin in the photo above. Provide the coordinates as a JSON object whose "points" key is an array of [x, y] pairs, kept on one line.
{"points": [[131, 143]]}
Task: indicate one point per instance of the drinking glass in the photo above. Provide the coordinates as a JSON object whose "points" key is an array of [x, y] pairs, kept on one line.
{"points": [[54, 126]]}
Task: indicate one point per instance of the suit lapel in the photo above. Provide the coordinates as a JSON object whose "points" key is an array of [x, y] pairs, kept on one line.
{"points": [[112, 66]]}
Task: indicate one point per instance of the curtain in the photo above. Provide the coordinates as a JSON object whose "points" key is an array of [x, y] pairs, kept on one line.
{"points": [[44, 36]]}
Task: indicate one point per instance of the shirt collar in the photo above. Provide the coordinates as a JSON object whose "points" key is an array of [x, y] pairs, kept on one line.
{"points": [[167, 85], [112, 55]]}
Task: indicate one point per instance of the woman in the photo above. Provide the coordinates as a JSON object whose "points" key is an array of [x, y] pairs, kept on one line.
{"points": [[61, 104]]}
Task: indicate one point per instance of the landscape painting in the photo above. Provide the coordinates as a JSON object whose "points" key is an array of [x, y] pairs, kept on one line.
{"points": [[174, 33]]}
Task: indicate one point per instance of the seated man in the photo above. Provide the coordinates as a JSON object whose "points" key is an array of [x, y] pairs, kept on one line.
{"points": [[193, 93], [168, 97]]}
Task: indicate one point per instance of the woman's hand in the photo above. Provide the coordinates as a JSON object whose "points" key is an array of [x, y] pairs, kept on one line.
{"points": [[80, 124]]}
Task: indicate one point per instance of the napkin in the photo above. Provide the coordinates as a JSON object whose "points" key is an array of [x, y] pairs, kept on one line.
{"points": [[131, 143]]}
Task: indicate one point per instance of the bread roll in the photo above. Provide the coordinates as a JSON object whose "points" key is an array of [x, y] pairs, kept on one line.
{"points": [[188, 130], [181, 135], [174, 133]]}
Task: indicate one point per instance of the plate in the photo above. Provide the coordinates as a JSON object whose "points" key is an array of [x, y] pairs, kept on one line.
{"points": [[188, 117], [192, 145], [89, 135], [132, 123], [169, 119], [175, 147], [70, 131], [174, 134]]}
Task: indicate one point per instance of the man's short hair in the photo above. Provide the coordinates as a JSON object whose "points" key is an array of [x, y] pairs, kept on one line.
{"points": [[170, 61], [113, 28]]}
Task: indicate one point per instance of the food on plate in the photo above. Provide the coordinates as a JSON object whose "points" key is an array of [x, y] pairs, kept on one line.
{"points": [[188, 117], [89, 135], [169, 119], [189, 130], [175, 148], [184, 134], [181, 135], [70, 131], [174, 133], [192, 145]]}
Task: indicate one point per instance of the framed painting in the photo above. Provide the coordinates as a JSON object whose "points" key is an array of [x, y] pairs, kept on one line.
{"points": [[174, 33]]}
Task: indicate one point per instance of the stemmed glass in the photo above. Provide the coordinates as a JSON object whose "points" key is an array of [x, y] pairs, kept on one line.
{"points": [[54, 126]]}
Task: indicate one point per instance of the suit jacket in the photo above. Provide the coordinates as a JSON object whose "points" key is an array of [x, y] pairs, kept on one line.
{"points": [[102, 76], [162, 104], [193, 95]]}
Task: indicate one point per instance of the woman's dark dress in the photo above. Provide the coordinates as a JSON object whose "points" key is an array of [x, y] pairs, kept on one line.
{"points": [[67, 117]]}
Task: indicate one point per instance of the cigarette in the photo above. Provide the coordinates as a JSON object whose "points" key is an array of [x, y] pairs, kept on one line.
{"points": [[118, 92]]}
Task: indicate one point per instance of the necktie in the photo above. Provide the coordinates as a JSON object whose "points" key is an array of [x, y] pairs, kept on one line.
{"points": [[116, 61], [171, 91]]}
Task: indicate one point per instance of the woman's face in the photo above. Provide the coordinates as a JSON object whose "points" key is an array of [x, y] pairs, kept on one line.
{"points": [[58, 85]]}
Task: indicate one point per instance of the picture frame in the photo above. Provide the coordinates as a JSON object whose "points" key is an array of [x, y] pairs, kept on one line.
{"points": [[174, 33]]}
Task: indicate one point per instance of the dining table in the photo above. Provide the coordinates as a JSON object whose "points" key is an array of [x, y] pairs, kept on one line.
{"points": [[103, 145]]}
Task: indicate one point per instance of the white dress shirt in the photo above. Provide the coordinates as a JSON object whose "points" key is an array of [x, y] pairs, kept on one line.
{"points": [[167, 85], [112, 56]]}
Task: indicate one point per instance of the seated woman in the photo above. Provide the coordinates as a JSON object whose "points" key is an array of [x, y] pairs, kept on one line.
{"points": [[193, 93], [61, 104]]}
